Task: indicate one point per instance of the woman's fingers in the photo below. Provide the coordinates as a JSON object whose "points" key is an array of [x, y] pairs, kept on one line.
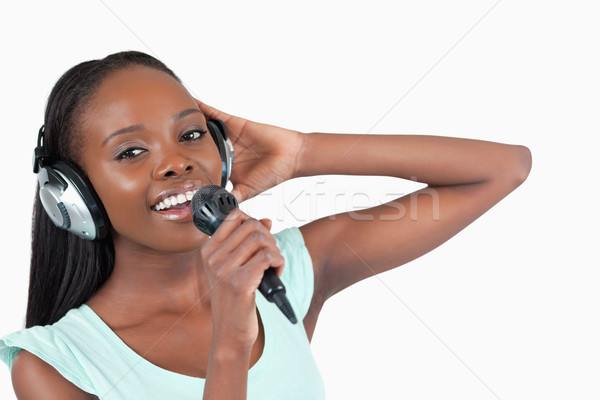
{"points": [[212, 113], [252, 242], [235, 125], [267, 223], [234, 219], [240, 245], [237, 239], [253, 269]]}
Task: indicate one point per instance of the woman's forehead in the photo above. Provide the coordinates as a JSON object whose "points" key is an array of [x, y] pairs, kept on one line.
{"points": [[137, 95], [138, 83]]}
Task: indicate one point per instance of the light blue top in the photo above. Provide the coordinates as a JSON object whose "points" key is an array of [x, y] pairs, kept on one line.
{"points": [[89, 354]]}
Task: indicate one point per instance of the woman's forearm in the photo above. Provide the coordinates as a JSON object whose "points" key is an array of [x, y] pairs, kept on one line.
{"points": [[435, 160], [227, 373]]}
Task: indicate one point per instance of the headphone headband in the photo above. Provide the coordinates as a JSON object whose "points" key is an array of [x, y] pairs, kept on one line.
{"points": [[39, 154]]}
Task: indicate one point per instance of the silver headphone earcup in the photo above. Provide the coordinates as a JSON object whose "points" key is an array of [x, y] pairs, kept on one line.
{"points": [[70, 202], [50, 197]]}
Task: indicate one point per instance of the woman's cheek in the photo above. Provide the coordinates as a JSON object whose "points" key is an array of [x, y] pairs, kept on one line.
{"points": [[123, 198]]}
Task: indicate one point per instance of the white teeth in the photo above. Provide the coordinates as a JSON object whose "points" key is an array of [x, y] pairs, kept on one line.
{"points": [[174, 200]]}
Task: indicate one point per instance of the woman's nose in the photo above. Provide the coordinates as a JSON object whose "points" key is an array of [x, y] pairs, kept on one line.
{"points": [[173, 165]]}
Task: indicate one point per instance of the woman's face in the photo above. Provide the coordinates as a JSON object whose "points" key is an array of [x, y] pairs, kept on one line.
{"points": [[146, 144]]}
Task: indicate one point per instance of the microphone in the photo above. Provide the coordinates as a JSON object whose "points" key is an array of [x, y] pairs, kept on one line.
{"points": [[209, 207]]}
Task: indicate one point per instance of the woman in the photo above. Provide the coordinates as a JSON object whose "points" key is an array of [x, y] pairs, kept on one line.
{"points": [[154, 308]]}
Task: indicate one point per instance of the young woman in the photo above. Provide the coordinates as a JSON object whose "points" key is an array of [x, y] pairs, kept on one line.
{"points": [[154, 308]]}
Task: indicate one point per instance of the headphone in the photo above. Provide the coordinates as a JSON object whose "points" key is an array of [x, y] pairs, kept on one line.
{"points": [[70, 200]]}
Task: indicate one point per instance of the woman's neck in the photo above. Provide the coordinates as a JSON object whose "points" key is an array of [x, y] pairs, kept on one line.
{"points": [[145, 283]]}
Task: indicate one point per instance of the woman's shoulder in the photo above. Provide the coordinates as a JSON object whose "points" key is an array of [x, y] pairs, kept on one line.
{"points": [[73, 324], [56, 346], [33, 378]]}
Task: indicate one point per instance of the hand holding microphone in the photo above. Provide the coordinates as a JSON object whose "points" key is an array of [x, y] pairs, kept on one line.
{"points": [[210, 206]]}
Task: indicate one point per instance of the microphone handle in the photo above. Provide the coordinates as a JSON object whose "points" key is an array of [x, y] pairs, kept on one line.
{"points": [[274, 291]]}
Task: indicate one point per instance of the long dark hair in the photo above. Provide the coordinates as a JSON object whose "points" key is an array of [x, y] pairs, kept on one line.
{"points": [[66, 270]]}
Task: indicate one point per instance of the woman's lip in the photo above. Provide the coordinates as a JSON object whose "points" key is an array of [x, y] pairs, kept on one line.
{"points": [[176, 214], [185, 190]]}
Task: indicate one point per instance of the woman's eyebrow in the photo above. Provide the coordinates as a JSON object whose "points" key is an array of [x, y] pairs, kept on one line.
{"points": [[141, 127], [132, 128], [184, 113]]}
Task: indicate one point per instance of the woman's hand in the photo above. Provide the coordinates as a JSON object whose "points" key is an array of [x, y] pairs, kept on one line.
{"points": [[264, 155], [235, 259]]}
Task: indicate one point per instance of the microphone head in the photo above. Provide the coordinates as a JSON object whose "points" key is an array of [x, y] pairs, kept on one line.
{"points": [[210, 206], [202, 194]]}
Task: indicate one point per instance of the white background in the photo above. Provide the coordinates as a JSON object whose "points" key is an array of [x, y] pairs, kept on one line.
{"points": [[508, 308]]}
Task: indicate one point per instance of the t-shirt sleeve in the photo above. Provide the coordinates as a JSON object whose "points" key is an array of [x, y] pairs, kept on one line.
{"points": [[50, 347], [298, 275]]}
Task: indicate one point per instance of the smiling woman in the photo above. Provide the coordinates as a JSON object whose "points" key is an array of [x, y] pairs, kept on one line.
{"points": [[150, 307], [130, 134], [144, 144]]}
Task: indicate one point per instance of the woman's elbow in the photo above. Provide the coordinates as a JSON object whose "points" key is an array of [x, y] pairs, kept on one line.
{"points": [[512, 167], [523, 164]]}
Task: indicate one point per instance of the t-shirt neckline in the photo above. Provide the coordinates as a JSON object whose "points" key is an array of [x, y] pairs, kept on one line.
{"points": [[139, 361]]}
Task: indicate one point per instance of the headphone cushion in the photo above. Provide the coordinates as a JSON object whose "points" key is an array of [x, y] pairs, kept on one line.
{"points": [[217, 131], [85, 201]]}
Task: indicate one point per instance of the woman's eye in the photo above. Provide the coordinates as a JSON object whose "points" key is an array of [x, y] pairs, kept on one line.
{"points": [[130, 153], [193, 135]]}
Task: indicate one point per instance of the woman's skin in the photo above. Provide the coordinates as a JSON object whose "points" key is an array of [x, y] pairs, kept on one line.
{"points": [[186, 303], [160, 277]]}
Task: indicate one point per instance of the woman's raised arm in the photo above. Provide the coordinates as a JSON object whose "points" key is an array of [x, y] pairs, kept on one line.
{"points": [[466, 178]]}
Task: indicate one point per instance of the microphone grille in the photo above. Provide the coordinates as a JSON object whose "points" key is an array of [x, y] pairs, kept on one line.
{"points": [[209, 206], [201, 195]]}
